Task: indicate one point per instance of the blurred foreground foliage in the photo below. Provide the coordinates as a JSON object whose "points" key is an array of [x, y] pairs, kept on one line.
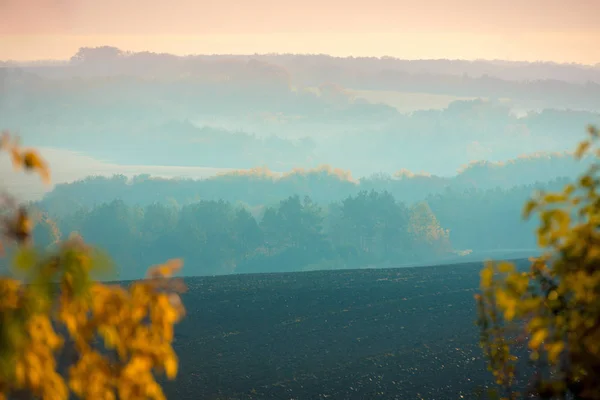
{"points": [[62, 332], [552, 311]]}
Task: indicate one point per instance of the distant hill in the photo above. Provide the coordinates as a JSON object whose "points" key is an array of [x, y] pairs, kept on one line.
{"points": [[558, 85], [306, 68], [324, 184]]}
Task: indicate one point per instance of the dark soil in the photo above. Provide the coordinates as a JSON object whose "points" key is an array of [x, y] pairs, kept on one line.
{"points": [[404, 333]]}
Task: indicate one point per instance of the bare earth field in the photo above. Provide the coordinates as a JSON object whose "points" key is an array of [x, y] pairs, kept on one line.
{"points": [[405, 333]]}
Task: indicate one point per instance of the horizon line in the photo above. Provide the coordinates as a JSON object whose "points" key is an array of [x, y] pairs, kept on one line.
{"points": [[381, 57]]}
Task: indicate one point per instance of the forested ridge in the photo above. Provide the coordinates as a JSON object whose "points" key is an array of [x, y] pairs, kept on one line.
{"points": [[324, 184], [248, 222]]}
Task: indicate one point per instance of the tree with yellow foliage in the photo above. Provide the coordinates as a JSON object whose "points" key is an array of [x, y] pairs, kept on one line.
{"points": [[554, 308], [62, 332]]}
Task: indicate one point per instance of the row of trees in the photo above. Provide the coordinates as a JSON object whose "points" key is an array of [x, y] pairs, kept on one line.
{"points": [[261, 186], [218, 237], [471, 78], [466, 214], [306, 66]]}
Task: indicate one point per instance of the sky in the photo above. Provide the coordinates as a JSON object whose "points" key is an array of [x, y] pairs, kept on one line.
{"points": [[529, 30]]}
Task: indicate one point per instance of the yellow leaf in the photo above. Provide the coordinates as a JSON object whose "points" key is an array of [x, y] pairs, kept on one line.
{"points": [[542, 240], [506, 267], [582, 148], [554, 351], [34, 378], [507, 303], [570, 188], [586, 181], [20, 374], [535, 324], [538, 337], [170, 365], [25, 258], [32, 161], [554, 198], [487, 275], [529, 207], [111, 337]]}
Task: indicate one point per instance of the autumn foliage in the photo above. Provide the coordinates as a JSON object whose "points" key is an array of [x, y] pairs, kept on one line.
{"points": [[63, 332], [552, 310]]}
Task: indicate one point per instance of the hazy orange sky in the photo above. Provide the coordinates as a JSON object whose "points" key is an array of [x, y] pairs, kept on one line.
{"points": [[556, 30]]}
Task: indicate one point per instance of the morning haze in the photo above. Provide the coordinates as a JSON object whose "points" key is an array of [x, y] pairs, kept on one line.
{"points": [[333, 173], [534, 30]]}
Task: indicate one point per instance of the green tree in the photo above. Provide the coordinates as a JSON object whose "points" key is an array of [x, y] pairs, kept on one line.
{"points": [[115, 226], [426, 232], [554, 308], [205, 233], [370, 227], [248, 235]]}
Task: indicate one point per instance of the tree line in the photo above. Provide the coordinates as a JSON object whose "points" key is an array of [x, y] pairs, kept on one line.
{"points": [[366, 228], [529, 80], [219, 237], [261, 187]]}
